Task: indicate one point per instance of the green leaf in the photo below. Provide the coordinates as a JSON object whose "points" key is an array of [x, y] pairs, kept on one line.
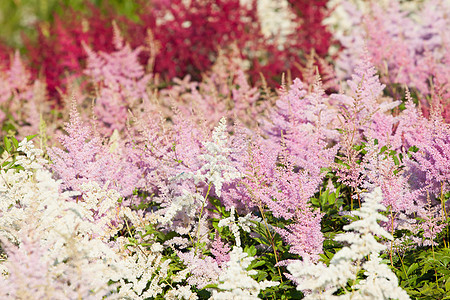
{"points": [[7, 143], [315, 201], [251, 251], [261, 276], [332, 198], [338, 189], [413, 149], [15, 142], [256, 264], [30, 137], [412, 268], [211, 286], [396, 161]]}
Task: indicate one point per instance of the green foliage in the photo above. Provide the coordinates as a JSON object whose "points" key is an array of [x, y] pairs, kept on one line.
{"points": [[9, 152], [424, 274]]}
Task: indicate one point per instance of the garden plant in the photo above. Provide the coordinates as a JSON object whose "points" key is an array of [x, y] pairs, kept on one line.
{"points": [[227, 149]]}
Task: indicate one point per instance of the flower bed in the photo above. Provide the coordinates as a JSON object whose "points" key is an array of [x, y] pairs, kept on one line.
{"points": [[229, 150]]}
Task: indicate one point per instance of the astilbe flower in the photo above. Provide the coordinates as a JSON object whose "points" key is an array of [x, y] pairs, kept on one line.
{"points": [[213, 165], [220, 251], [235, 280], [415, 47], [244, 223], [120, 81], [258, 179], [21, 97], [379, 281], [143, 270], [429, 166], [34, 274], [203, 270], [246, 108], [380, 169], [433, 157], [360, 115], [403, 179], [327, 80], [16, 81], [430, 224], [5, 51], [27, 266], [52, 230], [183, 26], [315, 36], [217, 170], [223, 91], [300, 135], [301, 122], [73, 241], [186, 193], [283, 192], [365, 91], [293, 191], [164, 151], [86, 159], [402, 42]]}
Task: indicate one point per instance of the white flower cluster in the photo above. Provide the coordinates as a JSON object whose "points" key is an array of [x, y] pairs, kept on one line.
{"points": [[243, 222], [33, 158], [140, 269], [216, 171], [72, 239], [276, 19], [32, 207], [187, 202], [380, 283], [235, 281]]}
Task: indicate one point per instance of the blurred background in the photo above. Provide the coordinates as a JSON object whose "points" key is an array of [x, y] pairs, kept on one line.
{"points": [[19, 17]]}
